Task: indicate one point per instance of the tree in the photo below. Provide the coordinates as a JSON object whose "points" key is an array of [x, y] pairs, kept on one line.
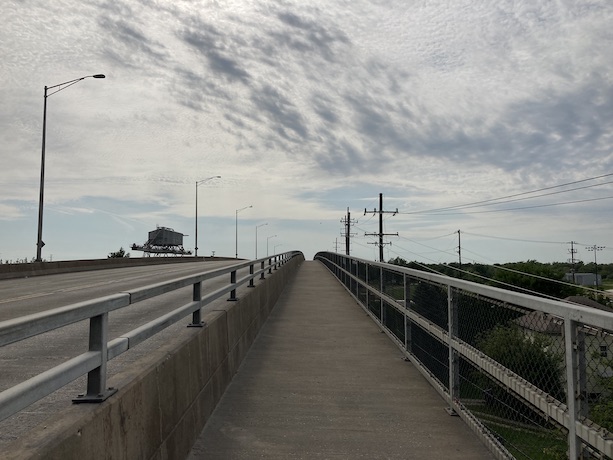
{"points": [[118, 254], [530, 357]]}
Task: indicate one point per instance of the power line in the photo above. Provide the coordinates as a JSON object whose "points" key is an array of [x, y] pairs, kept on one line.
{"points": [[514, 239], [502, 283], [515, 195], [512, 209]]}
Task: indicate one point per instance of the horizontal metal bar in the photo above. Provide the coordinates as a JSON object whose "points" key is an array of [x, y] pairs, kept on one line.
{"points": [[151, 328], [21, 396], [28, 326], [116, 347], [154, 290], [575, 312]]}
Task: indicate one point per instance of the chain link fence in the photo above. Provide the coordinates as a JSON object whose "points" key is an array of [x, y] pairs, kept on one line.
{"points": [[504, 365]]}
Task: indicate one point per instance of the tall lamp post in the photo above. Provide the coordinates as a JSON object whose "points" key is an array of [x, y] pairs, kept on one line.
{"points": [[197, 184], [60, 87], [267, 240], [256, 238], [237, 211]]}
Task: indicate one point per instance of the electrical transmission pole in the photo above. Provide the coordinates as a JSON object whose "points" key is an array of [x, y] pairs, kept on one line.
{"points": [[348, 223], [381, 234], [460, 252], [595, 249], [572, 252]]}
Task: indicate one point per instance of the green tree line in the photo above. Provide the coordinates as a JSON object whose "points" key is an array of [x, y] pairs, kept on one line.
{"points": [[539, 277]]}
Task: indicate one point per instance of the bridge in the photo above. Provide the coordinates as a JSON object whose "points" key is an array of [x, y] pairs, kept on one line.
{"points": [[333, 358]]}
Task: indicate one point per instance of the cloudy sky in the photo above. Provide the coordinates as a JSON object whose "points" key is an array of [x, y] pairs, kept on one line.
{"points": [[306, 109]]}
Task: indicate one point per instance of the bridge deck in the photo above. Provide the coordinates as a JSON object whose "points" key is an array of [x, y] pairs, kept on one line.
{"points": [[322, 381]]}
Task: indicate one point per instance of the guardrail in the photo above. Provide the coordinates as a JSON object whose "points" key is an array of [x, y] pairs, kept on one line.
{"points": [[532, 377], [101, 350]]}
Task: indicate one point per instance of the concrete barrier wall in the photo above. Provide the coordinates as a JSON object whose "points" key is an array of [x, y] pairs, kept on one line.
{"points": [[8, 271], [164, 401]]}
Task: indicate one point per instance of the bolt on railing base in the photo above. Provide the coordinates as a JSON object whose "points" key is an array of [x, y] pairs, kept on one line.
{"points": [[200, 324], [95, 399]]}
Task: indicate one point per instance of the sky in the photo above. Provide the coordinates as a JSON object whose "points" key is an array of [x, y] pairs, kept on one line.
{"points": [[307, 110]]}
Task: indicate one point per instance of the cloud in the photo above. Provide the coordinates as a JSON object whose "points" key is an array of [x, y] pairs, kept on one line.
{"points": [[431, 102]]}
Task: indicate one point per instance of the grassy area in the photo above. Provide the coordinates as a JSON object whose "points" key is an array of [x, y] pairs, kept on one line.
{"points": [[607, 284], [524, 444], [524, 440]]}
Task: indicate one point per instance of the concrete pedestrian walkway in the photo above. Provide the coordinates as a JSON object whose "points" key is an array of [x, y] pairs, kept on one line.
{"points": [[322, 381]]}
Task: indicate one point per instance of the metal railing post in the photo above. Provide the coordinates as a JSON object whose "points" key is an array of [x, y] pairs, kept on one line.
{"points": [[262, 268], [270, 266], [454, 370], [96, 379], [570, 342], [381, 309], [407, 321], [251, 285], [367, 299], [197, 315], [233, 281]]}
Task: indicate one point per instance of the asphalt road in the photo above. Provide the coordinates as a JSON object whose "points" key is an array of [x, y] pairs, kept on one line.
{"points": [[23, 296], [25, 359]]}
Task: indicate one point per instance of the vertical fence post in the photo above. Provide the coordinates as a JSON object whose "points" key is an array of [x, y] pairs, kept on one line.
{"points": [[262, 268], [570, 342], [381, 290], [454, 361], [582, 401], [96, 379], [407, 305], [356, 264], [196, 315], [233, 281], [367, 293], [270, 266], [251, 285]]}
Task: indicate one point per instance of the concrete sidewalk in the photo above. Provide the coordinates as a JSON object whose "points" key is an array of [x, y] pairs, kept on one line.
{"points": [[322, 381]]}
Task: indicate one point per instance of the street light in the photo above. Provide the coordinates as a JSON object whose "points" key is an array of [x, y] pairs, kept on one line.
{"points": [[237, 211], [197, 184], [267, 239], [256, 238], [61, 86]]}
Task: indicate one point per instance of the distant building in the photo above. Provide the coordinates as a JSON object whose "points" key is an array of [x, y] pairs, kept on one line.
{"points": [[584, 279], [598, 342], [163, 241]]}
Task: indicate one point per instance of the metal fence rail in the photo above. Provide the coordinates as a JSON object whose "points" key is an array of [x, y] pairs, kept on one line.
{"points": [[533, 377], [94, 361]]}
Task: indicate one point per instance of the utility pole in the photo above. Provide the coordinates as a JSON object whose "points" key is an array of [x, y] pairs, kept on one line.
{"points": [[348, 223], [381, 234], [336, 245], [460, 252], [572, 252], [595, 249]]}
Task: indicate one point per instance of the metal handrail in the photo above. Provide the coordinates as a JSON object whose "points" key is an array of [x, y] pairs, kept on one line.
{"points": [[101, 350]]}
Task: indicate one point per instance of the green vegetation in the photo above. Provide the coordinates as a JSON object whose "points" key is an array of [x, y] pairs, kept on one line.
{"points": [[528, 356], [531, 444], [118, 254], [542, 278]]}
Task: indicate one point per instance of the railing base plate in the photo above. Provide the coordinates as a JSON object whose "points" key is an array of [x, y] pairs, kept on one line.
{"points": [[95, 399]]}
